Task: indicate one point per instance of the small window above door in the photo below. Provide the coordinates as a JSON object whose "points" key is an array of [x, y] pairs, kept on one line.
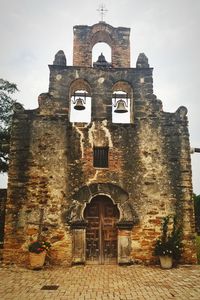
{"points": [[100, 157]]}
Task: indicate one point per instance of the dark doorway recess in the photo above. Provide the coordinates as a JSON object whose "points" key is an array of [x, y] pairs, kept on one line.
{"points": [[101, 232], [50, 287]]}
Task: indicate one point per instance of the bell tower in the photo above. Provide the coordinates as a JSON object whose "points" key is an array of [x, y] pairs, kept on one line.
{"points": [[96, 167]]}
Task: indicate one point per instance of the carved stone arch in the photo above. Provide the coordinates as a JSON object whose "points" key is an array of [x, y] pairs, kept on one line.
{"points": [[123, 85], [80, 84], [101, 37], [84, 195]]}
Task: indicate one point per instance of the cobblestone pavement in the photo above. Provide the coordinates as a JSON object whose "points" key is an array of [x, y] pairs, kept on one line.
{"points": [[100, 283]]}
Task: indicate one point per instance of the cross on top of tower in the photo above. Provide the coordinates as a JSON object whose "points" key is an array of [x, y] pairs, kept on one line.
{"points": [[102, 10]]}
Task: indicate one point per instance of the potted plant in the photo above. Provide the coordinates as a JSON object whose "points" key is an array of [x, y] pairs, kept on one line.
{"points": [[37, 253], [169, 247]]}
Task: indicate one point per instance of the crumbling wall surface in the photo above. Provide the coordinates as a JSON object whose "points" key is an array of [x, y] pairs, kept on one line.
{"points": [[149, 158], [17, 185], [37, 187], [51, 162], [151, 161], [178, 161], [162, 184]]}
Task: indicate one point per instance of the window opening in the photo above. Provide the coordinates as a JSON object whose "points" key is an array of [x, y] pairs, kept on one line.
{"points": [[100, 157]]}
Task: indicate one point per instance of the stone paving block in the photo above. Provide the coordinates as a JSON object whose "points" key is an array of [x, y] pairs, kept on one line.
{"points": [[101, 282]]}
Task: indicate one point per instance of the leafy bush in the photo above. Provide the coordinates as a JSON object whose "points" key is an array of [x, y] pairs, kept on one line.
{"points": [[7, 90], [169, 242], [198, 248]]}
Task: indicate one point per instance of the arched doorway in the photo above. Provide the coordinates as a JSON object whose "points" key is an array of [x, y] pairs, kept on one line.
{"points": [[101, 216]]}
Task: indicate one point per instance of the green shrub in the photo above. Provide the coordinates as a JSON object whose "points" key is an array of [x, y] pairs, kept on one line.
{"points": [[198, 248], [197, 212], [169, 243]]}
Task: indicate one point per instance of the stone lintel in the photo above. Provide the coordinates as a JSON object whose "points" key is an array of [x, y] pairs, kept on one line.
{"points": [[125, 225], [78, 224]]}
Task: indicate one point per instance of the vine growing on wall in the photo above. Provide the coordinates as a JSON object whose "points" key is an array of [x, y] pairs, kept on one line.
{"points": [[197, 212]]}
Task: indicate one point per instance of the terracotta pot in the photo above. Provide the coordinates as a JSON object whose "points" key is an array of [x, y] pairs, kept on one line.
{"points": [[166, 262], [37, 260]]}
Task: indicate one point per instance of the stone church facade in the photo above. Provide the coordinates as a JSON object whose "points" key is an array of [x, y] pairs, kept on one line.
{"points": [[98, 189]]}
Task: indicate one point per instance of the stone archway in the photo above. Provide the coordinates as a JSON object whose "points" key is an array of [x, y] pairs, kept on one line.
{"points": [[75, 217], [84, 195]]}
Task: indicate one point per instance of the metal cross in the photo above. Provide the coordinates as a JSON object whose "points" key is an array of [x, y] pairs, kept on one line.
{"points": [[102, 10]]}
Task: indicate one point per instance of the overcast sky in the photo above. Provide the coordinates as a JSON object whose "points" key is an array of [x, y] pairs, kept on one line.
{"points": [[168, 32]]}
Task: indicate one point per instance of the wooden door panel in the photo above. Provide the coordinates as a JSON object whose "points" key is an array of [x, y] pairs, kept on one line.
{"points": [[101, 232], [92, 233], [110, 232]]}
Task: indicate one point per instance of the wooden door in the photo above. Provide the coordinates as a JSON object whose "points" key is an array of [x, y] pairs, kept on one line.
{"points": [[101, 233]]}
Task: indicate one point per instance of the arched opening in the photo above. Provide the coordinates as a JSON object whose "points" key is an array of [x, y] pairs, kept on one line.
{"points": [[122, 103], [85, 37], [103, 48], [80, 101], [101, 216]]}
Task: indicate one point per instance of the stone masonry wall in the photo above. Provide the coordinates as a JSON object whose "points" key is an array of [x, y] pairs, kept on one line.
{"points": [[37, 195], [51, 172], [150, 159], [52, 159]]}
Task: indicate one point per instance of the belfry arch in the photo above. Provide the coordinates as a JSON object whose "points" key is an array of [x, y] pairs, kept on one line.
{"points": [[85, 37], [101, 48]]}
